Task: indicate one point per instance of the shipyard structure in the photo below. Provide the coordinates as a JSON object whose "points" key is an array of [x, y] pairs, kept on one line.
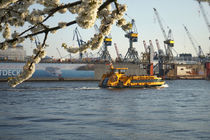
{"points": [[150, 62]]}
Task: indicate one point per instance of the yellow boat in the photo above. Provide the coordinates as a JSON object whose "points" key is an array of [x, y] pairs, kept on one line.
{"points": [[116, 78]]}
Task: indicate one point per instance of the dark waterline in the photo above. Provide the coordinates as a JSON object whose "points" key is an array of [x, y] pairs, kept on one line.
{"points": [[81, 110]]}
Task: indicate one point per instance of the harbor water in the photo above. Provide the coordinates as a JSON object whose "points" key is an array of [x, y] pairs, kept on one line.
{"points": [[83, 111]]}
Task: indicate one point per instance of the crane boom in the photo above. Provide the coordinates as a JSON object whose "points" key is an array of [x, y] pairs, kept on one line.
{"points": [[198, 50], [145, 46], [151, 50], [116, 49], [204, 16], [157, 44], [191, 40], [59, 53], [160, 23]]}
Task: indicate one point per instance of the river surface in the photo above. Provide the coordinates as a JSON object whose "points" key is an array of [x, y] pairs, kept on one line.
{"points": [[83, 111]]}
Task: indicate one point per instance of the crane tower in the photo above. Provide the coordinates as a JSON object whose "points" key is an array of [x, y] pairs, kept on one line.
{"points": [[132, 35], [104, 55], [79, 41]]}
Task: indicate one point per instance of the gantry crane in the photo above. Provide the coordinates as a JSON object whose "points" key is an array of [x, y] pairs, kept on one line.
{"points": [[160, 59], [168, 39], [198, 49], [132, 35], [104, 54], [79, 41], [204, 16]]}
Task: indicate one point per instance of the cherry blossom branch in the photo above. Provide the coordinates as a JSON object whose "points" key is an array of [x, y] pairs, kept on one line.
{"points": [[43, 44], [52, 12], [57, 27]]}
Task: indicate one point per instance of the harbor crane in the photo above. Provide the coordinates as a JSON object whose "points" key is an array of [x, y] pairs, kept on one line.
{"points": [[79, 41], [61, 58], [145, 46], [105, 55], [160, 51], [204, 16], [37, 41], [132, 35], [198, 50], [151, 58], [119, 56], [168, 38], [145, 55], [160, 58]]}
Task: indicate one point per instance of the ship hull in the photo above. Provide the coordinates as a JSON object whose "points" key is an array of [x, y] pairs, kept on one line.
{"points": [[50, 71]]}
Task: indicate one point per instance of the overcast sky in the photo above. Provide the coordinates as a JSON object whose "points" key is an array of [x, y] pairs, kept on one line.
{"points": [[173, 13]]}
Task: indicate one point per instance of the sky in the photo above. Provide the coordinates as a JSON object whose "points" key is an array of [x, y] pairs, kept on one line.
{"points": [[173, 14]]}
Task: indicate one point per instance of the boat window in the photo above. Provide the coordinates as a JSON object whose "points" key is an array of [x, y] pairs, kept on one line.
{"points": [[144, 81], [159, 80], [123, 71]]}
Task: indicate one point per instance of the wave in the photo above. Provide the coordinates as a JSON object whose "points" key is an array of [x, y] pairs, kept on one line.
{"points": [[48, 88], [88, 88], [165, 86]]}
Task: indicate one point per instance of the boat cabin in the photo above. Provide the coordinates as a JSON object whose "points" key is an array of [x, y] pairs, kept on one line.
{"points": [[119, 70]]}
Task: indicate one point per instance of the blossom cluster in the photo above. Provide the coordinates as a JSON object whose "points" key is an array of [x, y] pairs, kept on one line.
{"points": [[29, 67], [16, 13], [7, 32], [108, 18], [87, 16], [5, 3]]}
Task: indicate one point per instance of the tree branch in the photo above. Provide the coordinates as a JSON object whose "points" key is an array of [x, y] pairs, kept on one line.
{"points": [[43, 43], [105, 4], [53, 11], [57, 27]]}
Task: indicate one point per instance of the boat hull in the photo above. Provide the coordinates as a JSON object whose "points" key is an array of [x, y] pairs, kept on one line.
{"points": [[136, 86]]}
